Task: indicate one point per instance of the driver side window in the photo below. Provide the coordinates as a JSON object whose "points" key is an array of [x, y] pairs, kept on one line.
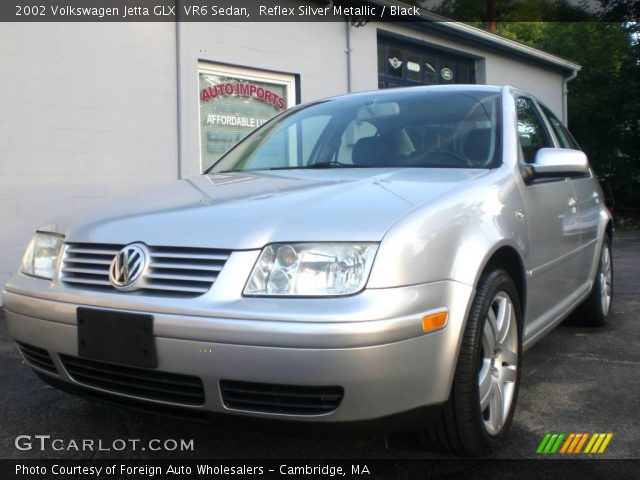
{"points": [[532, 133]]}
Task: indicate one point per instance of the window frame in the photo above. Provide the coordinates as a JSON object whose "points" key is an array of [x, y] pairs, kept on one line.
{"points": [[543, 121], [538, 107], [546, 112]]}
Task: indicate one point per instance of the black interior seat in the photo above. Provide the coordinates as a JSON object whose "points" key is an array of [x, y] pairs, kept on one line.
{"points": [[372, 152], [477, 146]]}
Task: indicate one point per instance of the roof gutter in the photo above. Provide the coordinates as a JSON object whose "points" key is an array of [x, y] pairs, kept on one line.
{"points": [[347, 24], [178, 100]]}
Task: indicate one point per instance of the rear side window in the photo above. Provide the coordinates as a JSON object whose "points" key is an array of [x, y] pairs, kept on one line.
{"points": [[531, 130], [565, 138]]}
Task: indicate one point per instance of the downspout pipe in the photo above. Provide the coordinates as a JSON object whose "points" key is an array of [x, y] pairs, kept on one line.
{"points": [[348, 52], [178, 97], [565, 92]]}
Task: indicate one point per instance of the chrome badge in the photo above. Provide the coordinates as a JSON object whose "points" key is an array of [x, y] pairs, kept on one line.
{"points": [[128, 266]]}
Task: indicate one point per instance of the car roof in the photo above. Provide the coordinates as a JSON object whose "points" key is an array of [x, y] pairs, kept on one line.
{"points": [[393, 92]]}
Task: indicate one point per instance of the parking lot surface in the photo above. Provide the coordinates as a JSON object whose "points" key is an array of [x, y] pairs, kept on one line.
{"points": [[574, 380]]}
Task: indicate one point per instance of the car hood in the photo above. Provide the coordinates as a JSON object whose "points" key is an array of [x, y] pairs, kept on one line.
{"points": [[250, 209]]}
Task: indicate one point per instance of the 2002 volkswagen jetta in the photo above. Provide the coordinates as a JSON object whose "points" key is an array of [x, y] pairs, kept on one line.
{"points": [[353, 258]]}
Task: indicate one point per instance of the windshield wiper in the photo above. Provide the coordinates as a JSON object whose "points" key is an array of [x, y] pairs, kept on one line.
{"points": [[333, 164]]}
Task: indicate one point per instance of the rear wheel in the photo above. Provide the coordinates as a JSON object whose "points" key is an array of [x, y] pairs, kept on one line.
{"points": [[594, 312], [480, 409]]}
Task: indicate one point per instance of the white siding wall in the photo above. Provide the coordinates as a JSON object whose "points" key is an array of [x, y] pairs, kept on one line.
{"points": [[543, 83], [86, 111]]}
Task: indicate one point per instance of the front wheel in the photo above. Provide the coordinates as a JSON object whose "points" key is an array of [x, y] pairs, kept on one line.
{"points": [[480, 409]]}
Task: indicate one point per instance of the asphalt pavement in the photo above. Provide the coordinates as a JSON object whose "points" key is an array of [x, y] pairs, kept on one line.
{"points": [[574, 380]]}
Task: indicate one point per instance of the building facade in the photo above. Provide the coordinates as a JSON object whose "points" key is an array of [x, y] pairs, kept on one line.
{"points": [[89, 110]]}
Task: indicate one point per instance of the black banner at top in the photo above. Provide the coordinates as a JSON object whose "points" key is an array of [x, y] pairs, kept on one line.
{"points": [[204, 11], [315, 10]]}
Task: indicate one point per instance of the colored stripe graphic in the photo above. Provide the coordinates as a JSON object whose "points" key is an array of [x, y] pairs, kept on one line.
{"points": [[543, 443], [556, 446], [605, 443], [567, 443], [576, 444], [581, 443], [598, 443], [593, 439], [550, 443], [573, 443]]}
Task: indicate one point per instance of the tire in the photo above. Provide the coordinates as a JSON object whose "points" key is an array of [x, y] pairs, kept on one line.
{"points": [[467, 425], [594, 311]]}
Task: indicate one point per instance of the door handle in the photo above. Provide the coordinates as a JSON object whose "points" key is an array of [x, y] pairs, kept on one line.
{"points": [[573, 204], [596, 197]]}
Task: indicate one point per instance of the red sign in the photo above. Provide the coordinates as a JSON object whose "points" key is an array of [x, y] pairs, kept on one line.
{"points": [[242, 90]]}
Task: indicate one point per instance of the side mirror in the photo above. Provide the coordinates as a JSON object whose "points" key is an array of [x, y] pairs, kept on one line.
{"points": [[559, 161]]}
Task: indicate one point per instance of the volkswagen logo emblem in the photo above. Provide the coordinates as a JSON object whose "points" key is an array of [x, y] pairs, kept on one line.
{"points": [[128, 266]]}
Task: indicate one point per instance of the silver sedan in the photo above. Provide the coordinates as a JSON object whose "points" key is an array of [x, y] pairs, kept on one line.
{"points": [[379, 255]]}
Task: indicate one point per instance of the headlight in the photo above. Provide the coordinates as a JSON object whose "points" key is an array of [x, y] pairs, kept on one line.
{"points": [[41, 257], [311, 269]]}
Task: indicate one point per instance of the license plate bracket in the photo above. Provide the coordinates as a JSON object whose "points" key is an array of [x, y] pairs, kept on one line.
{"points": [[116, 337]]}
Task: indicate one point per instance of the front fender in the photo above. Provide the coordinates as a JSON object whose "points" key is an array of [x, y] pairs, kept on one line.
{"points": [[454, 237]]}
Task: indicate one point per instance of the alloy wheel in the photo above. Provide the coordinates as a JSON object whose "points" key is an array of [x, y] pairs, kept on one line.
{"points": [[499, 363], [606, 279]]}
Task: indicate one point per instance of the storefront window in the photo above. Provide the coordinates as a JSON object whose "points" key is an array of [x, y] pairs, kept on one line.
{"points": [[404, 63], [233, 102]]}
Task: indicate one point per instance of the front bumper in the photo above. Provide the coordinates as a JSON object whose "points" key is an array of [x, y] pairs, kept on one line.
{"points": [[384, 365]]}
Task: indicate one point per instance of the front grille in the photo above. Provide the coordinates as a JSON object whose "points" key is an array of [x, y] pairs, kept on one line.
{"points": [[179, 271], [37, 357], [138, 382], [282, 399]]}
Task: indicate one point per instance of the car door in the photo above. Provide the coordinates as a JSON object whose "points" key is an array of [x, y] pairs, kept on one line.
{"points": [[588, 196], [554, 234]]}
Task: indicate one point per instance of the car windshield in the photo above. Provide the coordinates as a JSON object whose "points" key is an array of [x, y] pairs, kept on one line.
{"points": [[431, 129]]}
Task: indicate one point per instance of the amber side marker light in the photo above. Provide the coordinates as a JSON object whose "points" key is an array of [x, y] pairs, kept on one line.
{"points": [[434, 321]]}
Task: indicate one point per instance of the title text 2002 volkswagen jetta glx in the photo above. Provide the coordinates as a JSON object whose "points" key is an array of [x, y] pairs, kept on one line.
{"points": [[354, 258]]}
